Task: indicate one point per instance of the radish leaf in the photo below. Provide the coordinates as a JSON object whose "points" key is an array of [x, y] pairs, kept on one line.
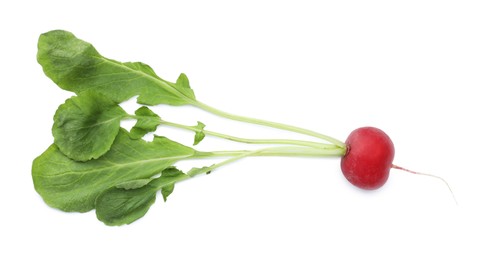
{"points": [[183, 85], [147, 122], [75, 65], [73, 186], [199, 135], [133, 184], [85, 126], [116, 206], [199, 170], [168, 179]]}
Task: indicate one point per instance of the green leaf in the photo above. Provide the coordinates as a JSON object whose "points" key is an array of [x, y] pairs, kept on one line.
{"points": [[133, 184], [85, 126], [196, 171], [167, 190], [118, 206], [199, 135], [168, 179], [183, 85], [75, 65], [147, 122], [73, 186]]}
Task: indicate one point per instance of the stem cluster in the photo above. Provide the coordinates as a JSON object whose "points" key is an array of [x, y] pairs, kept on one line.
{"points": [[277, 147]]}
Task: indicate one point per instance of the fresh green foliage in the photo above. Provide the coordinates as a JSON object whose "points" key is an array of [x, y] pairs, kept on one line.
{"points": [[86, 125], [77, 66], [147, 121], [133, 184], [167, 180], [199, 134], [96, 164], [117, 206], [183, 85], [73, 186]]}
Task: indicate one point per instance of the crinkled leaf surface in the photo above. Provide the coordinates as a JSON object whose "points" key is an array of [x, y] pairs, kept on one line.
{"points": [[147, 122], [117, 206], [73, 186], [85, 126], [75, 65]]}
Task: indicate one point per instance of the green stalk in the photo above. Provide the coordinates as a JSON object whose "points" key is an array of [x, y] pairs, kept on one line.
{"points": [[292, 151], [249, 140], [168, 86], [286, 151], [276, 125]]}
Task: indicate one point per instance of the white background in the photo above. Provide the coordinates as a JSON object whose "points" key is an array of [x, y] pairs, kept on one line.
{"points": [[419, 70]]}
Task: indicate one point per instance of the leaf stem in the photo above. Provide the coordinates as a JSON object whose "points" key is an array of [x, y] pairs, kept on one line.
{"points": [[242, 140], [293, 151], [288, 151], [250, 140], [168, 86], [281, 126]]}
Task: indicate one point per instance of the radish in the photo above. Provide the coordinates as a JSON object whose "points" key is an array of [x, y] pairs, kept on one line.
{"points": [[96, 164], [368, 158]]}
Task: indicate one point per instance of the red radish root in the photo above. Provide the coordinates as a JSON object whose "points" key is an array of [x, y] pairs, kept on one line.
{"points": [[368, 158]]}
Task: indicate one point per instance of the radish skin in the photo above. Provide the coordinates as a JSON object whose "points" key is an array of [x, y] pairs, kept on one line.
{"points": [[368, 158]]}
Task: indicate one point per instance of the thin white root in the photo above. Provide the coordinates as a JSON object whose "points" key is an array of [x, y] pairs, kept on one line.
{"points": [[430, 175]]}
